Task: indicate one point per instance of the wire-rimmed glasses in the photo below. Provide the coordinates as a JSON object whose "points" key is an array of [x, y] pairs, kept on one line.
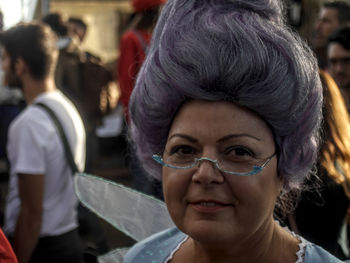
{"points": [[244, 167]]}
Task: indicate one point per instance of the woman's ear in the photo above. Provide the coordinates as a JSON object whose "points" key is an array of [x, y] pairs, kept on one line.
{"points": [[281, 182]]}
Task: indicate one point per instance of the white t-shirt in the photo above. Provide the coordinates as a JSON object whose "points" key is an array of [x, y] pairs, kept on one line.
{"points": [[34, 147]]}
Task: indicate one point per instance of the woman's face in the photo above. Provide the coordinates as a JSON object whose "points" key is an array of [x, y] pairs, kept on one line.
{"points": [[205, 203]]}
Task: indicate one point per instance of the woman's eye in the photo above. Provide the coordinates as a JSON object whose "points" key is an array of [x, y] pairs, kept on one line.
{"points": [[182, 150], [239, 152]]}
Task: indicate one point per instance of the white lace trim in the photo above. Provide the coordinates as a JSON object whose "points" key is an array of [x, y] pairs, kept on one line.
{"points": [[175, 249], [300, 253], [302, 246]]}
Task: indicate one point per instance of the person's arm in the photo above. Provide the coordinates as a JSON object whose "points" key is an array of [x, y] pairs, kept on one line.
{"points": [[31, 191]]}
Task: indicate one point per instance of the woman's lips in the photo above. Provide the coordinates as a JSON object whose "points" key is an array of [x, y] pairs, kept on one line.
{"points": [[208, 206]]}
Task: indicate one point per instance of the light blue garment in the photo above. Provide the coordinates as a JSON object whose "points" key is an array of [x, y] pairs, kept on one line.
{"points": [[157, 248]]}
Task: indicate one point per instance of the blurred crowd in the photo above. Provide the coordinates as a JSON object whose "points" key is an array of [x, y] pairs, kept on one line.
{"points": [[85, 103]]}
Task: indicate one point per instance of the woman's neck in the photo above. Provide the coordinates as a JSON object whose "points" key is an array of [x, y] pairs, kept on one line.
{"points": [[271, 245]]}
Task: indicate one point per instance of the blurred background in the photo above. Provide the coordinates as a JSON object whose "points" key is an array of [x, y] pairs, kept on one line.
{"points": [[107, 19]]}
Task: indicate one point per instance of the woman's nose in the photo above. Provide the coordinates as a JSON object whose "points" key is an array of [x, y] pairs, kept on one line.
{"points": [[207, 172]]}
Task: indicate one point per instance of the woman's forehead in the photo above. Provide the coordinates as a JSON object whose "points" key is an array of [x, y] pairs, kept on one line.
{"points": [[217, 119]]}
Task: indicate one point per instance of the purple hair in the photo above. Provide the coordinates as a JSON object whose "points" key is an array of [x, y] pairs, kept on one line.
{"points": [[239, 51]]}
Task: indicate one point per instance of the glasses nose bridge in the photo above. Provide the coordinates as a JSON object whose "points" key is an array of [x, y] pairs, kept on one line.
{"points": [[212, 161]]}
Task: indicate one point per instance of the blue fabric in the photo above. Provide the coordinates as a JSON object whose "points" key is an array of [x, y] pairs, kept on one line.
{"points": [[316, 254], [157, 248]]}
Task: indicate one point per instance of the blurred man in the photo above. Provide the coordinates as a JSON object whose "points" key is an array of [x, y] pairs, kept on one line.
{"points": [[41, 208], [77, 28], [331, 16], [339, 59], [67, 74]]}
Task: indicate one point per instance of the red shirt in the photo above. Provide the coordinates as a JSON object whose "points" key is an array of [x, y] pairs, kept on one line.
{"points": [[6, 253], [132, 55]]}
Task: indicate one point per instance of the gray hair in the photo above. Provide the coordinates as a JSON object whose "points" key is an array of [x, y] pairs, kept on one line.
{"points": [[239, 51]]}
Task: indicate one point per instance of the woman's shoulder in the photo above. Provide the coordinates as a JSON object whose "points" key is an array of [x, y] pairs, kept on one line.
{"points": [[316, 254], [158, 247], [155, 248]]}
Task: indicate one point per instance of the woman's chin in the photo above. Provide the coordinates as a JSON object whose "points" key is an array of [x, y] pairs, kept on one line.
{"points": [[210, 232]]}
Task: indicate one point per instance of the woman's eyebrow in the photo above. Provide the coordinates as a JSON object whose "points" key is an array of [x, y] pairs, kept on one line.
{"points": [[184, 136], [230, 136], [225, 138]]}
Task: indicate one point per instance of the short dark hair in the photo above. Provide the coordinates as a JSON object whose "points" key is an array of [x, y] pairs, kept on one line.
{"points": [[342, 37], [57, 24], [35, 43], [343, 9], [78, 22]]}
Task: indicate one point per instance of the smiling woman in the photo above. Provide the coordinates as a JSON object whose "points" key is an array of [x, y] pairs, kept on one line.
{"points": [[228, 105]]}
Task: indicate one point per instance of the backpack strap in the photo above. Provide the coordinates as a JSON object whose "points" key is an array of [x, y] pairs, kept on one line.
{"points": [[141, 40], [59, 128]]}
